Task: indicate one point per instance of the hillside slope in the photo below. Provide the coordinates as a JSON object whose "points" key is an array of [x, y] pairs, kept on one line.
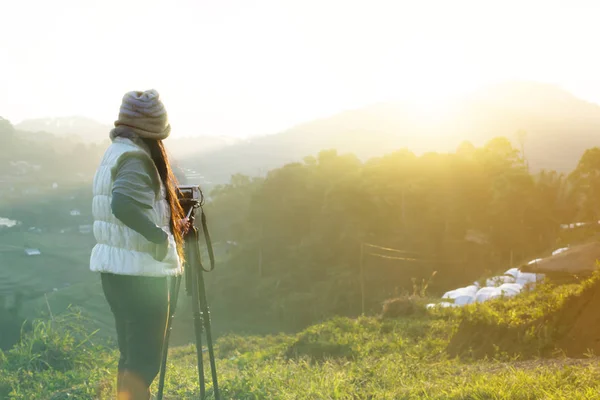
{"points": [[409, 357]]}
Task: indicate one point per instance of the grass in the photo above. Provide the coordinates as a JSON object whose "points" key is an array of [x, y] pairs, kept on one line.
{"points": [[56, 358], [363, 358]]}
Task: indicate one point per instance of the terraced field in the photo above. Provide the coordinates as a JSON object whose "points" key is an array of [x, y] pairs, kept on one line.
{"points": [[58, 277]]}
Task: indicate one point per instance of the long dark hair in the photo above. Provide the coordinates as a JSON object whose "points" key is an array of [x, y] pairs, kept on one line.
{"points": [[161, 160]]}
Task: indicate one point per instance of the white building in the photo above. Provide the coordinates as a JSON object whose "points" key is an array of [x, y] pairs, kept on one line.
{"points": [[32, 252]]}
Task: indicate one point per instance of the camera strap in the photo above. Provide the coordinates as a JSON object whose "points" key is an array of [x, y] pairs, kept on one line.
{"points": [[209, 247]]}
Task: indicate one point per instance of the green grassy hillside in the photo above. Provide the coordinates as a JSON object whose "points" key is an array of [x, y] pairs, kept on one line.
{"points": [[413, 356]]}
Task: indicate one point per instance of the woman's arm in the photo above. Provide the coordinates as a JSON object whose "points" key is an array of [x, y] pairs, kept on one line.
{"points": [[133, 191], [130, 213]]}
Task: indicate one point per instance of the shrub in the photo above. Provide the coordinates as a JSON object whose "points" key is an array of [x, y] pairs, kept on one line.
{"points": [[403, 306]]}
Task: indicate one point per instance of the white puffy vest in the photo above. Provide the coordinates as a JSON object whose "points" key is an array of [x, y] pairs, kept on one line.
{"points": [[120, 249]]}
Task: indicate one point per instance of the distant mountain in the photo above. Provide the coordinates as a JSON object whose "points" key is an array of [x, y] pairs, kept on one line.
{"points": [[559, 128], [82, 128], [197, 145], [193, 149], [365, 132], [87, 130]]}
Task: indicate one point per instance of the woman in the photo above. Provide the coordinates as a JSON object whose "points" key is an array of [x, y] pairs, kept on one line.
{"points": [[139, 228]]}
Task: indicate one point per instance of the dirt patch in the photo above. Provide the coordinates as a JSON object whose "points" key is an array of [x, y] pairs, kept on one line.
{"points": [[401, 307], [580, 260], [318, 350], [574, 331]]}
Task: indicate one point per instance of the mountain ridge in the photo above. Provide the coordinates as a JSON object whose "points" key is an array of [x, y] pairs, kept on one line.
{"points": [[559, 128], [87, 129]]}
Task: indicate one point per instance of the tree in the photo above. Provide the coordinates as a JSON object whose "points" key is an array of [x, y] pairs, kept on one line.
{"points": [[586, 185], [521, 136], [6, 128]]}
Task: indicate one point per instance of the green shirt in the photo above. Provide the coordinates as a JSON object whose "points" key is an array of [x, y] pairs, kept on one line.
{"points": [[137, 179]]}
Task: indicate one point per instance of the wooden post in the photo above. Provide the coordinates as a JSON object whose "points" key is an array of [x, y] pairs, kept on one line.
{"points": [[362, 277], [48, 305], [260, 252], [403, 210], [260, 261]]}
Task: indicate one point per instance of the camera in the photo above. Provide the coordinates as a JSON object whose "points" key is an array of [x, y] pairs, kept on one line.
{"points": [[190, 197], [190, 193]]}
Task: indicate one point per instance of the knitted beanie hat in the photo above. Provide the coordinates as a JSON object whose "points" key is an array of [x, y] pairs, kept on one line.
{"points": [[145, 114]]}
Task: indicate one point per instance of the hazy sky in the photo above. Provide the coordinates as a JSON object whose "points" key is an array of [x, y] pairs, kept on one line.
{"points": [[244, 67]]}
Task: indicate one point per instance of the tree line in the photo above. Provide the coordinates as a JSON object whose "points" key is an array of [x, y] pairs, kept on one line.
{"points": [[292, 240], [297, 233]]}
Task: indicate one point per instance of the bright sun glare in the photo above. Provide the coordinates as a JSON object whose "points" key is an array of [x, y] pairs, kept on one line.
{"points": [[244, 69], [433, 75]]}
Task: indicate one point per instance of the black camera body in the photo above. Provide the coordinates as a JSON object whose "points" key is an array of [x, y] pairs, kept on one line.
{"points": [[190, 192], [190, 198]]}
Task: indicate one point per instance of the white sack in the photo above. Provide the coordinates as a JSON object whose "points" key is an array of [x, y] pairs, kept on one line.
{"points": [[487, 293]]}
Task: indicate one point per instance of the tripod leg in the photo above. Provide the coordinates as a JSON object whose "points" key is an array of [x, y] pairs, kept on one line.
{"points": [[173, 295], [197, 325], [200, 306], [209, 342]]}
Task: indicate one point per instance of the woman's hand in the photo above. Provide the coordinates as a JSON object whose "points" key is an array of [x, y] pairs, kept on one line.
{"points": [[185, 225], [161, 251]]}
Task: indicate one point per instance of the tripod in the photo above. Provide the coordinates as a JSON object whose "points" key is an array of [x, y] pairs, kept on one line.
{"points": [[194, 280]]}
